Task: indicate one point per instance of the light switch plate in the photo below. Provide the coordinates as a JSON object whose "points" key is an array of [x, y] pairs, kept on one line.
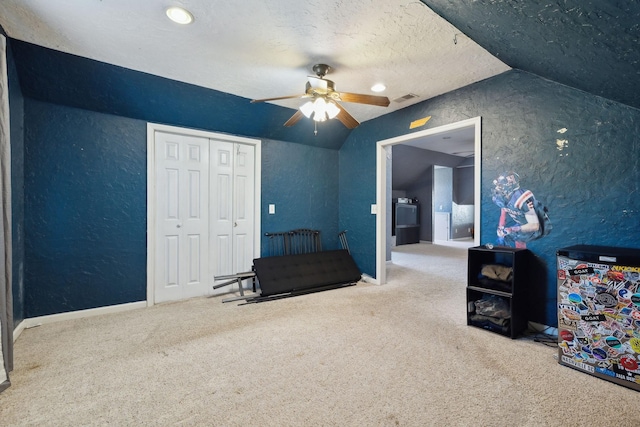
{"points": [[374, 209], [272, 209]]}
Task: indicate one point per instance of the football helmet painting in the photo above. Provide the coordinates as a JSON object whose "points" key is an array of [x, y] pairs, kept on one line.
{"points": [[506, 184]]}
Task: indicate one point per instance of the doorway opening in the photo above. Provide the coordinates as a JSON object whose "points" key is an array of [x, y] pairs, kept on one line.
{"points": [[383, 183]]}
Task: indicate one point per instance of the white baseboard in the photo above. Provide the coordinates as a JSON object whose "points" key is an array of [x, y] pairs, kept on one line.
{"points": [[32, 322], [369, 279]]}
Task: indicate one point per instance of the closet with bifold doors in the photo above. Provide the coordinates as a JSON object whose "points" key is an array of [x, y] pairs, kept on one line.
{"points": [[204, 211]]}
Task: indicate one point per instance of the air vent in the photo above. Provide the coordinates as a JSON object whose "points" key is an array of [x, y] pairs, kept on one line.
{"points": [[406, 97]]}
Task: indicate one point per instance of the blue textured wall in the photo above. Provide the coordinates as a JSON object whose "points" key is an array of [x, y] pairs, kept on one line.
{"points": [[589, 184], [358, 192], [85, 173], [302, 182], [16, 106], [85, 197], [587, 44], [85, 209], [97, 86]]}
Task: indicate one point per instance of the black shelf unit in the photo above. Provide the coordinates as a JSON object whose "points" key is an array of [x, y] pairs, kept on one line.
{"points": [[508, 293]]}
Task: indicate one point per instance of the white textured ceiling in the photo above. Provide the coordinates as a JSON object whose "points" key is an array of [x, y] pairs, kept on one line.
{"points": [[457, 142], [265, 48]]}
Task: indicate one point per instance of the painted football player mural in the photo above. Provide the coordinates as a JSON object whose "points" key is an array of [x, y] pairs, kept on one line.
{"points": [[522, 217]]}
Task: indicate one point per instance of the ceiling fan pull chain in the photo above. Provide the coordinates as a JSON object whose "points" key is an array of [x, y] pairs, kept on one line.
{"points": [[315, 126]]}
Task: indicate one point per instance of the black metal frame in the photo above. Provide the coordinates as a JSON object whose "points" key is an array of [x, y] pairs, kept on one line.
{"points": [[294, 242]]}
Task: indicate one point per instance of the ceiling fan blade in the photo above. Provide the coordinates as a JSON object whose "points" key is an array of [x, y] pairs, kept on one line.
{"points": [[253, 101], [347, 119], [381, 101], [294, 119]]}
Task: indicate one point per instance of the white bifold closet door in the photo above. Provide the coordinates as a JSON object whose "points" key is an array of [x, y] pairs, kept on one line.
{"points": [[182, 216], [205, 225], [232, 184]]}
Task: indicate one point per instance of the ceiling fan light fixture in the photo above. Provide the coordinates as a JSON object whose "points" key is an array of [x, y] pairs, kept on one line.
{"points": [[179, 15], [323, 104], [307, 109], [321, 109], [332, 109], [378, 87]]}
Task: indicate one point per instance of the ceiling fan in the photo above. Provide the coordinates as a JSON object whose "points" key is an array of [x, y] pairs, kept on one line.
{"points": [[323, 103]]}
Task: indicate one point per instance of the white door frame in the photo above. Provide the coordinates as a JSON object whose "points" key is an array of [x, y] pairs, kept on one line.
{"points": [[152, 128], [381, 186]]}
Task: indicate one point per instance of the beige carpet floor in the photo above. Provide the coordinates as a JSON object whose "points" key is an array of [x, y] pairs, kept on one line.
{"points": [[400, 354]]}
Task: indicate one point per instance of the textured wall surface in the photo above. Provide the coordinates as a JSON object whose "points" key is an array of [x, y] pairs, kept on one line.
{"points": [[462, 221], [357, 194], [302, 182], [97, 86], [586, 44], [422, 189], [85, 209], [85, 203], [411, 163], [578, 153], [463, 185]]}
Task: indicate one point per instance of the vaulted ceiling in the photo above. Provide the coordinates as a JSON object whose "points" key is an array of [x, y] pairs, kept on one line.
{"points": [[257, 49], [589, 45]]}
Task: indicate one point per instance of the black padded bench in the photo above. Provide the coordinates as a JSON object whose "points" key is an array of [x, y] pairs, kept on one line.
{"points": [[290, 275]]}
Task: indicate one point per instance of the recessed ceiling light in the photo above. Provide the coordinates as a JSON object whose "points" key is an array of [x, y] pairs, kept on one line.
{"points": [[379, 87], [179, 15]]}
